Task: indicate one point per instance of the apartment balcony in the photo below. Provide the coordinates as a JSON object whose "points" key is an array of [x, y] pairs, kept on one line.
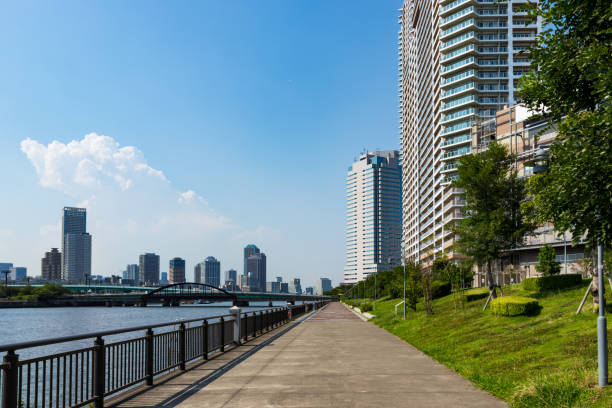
{"points": [[447, 168], [455, 6], [457, 16], [458, 103], [459, 78], [458, 91], [448, 143]]}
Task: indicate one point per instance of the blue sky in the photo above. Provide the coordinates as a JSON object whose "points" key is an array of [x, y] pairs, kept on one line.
{"points": [[224, 123]]}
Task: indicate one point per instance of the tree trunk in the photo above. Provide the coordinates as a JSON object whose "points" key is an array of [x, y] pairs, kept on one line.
{"points": [[490, 279]]}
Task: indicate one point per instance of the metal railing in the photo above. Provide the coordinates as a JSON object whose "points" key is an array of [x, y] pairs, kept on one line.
{"points": [[86, 376]]}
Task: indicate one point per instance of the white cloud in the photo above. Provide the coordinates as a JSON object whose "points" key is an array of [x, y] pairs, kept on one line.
{"points": [[92, 162]]}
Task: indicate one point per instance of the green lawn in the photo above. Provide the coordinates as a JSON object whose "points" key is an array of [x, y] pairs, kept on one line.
{"points": [[546, 360]]}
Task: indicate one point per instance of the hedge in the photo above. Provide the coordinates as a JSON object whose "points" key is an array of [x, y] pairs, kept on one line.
{"points": [[440, 289], [475, 296], [513, 306], [552, 282]]}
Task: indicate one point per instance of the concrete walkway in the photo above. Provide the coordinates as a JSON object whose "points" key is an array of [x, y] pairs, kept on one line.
{"points": [[332, 359]]}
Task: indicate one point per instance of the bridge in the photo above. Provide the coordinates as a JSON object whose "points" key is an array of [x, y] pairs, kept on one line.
{"points": [[170, 295]]}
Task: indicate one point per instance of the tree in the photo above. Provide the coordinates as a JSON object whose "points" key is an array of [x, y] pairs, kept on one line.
{"points": [[413, 285], [493, 223], [547, 264], [571, 82]]}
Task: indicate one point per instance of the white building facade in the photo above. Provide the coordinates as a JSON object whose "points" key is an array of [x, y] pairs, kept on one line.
{"points": [[459, 63]]}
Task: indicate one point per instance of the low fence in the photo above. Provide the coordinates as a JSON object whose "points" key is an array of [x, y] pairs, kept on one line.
{"points": [[87, 375]]}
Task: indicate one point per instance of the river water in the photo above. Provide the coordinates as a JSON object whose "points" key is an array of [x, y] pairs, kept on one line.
{"points": [[29, 324]]}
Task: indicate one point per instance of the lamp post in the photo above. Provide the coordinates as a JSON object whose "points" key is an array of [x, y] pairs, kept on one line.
{"points": [[541, 166]]}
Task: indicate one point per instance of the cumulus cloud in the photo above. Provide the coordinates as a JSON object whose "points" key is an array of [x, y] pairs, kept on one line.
{"points": [[189, 197], [92, 162]]}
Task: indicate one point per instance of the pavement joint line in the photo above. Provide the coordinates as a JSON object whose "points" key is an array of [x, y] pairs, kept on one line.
{"points": [[218, 372]]}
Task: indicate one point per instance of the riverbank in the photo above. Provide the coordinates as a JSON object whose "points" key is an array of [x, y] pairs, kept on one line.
{"points": [[547, 360]]}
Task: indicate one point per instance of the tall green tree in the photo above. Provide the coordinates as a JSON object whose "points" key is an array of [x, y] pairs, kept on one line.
{"points": [[547, 264], [571, 83], [493, 223]]}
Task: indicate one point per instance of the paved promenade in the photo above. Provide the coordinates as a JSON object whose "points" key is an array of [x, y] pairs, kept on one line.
{"points": [[332, 359]]}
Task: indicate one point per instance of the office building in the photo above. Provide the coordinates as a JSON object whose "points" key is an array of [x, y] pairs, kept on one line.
{"points": [[248, 251], [243, 283], [459, 62], [131, 273], [309, 290], [148, 269], [273, 287], [76, 245], [176, 270], [51, 265], [231, 286], [279, 279], [322, 285], [374, 221], [18, 273], [212, 272], [164, 279], [231, 275], [256, 271], [295, 286], [284, 287], [5, 266]]}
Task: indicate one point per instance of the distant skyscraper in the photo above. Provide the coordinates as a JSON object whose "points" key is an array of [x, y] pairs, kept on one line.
{"points": [[273, 287], [177, 270], [5, 266], [148, 269], [212, 271], [51, 265], [197, 272], [279, 279], [322, 286], [164, 278], [256, 267], [248, 251], [76, 245], [131, 273], [231, 275], [284, 287], [295, 286], [310, 290], [374, 214]]}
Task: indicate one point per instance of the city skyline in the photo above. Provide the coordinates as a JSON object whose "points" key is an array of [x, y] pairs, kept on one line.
{"points": [[113, 123]]}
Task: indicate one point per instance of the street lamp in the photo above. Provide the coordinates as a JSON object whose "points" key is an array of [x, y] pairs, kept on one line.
{"points": [[540, 165]]}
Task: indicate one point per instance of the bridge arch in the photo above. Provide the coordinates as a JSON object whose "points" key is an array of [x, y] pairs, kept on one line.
{"points": [[187, 291]]}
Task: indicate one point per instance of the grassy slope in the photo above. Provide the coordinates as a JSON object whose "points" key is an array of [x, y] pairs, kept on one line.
{"points": [[547, 360]]}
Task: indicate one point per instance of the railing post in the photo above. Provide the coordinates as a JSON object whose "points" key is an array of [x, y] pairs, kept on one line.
{"points": [[9, 380], [182, 346], [98, 372], [222, 334], [235, 311], [149, 356], [205, 339]]}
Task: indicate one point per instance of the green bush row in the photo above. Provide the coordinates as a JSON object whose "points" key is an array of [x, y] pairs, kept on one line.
{"points": [[552, 282], [365, 307], [475, 296], [513, 306], [440, 289]]}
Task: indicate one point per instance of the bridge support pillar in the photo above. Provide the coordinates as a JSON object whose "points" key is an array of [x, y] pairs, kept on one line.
{"points": [[235, 312], [241, 303]]}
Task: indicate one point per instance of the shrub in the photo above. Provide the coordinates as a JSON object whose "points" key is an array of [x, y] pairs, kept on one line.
{"points": [[513, 306], [475, 296], [365, 307], [440, 289], [547, 265], [552, 282]]}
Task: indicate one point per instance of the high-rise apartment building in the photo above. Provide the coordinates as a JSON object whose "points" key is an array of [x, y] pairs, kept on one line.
{"points": [[76, 245], [459, 62], [374, 214], [197, 272], [176, 271], [256, 271], [212, 271], [51, 265], [148, 269]]}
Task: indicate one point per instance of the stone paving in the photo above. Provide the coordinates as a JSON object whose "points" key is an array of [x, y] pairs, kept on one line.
{"points": [[331, 359]]}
